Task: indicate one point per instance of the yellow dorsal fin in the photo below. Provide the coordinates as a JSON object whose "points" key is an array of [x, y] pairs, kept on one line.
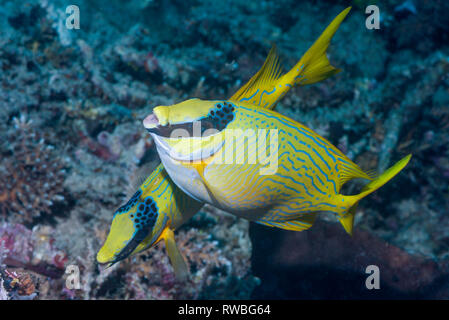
{"points": [[139, 177], [264, 79], [267, 86]]}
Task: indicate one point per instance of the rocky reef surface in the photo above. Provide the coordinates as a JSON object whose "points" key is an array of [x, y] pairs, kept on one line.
{"points": [[71, 105]]}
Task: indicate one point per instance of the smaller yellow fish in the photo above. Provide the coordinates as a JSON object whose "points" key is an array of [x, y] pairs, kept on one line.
{"points": [[151, 214]]}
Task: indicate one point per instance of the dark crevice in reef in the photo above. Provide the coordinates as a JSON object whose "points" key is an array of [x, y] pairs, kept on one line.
{"points": [[325, 263]]}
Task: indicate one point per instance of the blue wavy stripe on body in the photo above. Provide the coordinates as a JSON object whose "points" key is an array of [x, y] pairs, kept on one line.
{"points": [[247, 173], [324, 161], [160, 184], [293, 167], [321, 170], [313, 184], [283, 185], [164, 190], [258, 189], [293, 209], [266, 92], [309, 205], [295, 182], [299, 130], [322, 146], [155, 174], [249, 98]]}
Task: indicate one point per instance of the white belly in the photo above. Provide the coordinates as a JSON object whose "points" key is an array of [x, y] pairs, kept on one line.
{"points": [[187, 179]]}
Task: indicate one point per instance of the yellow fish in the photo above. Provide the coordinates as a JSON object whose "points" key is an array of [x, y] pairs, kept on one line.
{"points": [[242, 157], [156, 209], [129, 236]]}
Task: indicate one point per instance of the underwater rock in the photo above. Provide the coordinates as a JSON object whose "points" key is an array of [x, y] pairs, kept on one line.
{"points": [[325, 263], [32, 250], [16, 285], [31, 173]]}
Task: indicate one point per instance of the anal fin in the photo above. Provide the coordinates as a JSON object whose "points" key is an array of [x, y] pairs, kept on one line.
{"points": [[300, 223]]}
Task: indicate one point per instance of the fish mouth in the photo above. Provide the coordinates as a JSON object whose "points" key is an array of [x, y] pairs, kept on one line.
{"points": [[151, 121], [128, 249], [105, 265]]}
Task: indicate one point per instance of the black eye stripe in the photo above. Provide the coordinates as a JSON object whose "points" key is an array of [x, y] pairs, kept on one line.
{"points": [[217, 118]]}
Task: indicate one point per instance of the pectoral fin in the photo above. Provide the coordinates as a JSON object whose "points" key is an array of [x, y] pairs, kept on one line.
{"points": [[200, 167], [175, 256]]}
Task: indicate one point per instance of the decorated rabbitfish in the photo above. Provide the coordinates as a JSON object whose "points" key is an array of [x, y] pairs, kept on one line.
{"points": [[244, 158], [159, 206]]}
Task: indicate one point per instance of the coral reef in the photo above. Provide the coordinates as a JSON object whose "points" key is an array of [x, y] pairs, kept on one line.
{"points": [[32, 175], [71, 105], [29, 261], [16, 286]]}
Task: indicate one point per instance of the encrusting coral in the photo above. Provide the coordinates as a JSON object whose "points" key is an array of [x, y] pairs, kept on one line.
{"points": [[31, 173]]}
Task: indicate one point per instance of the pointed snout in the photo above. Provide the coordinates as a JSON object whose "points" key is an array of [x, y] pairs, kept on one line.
{"points": [[104, 256], [151, 121], [159, 117]]}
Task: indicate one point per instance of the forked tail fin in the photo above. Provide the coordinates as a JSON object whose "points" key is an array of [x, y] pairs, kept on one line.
{"points": [[347, 220], [314, 65]]}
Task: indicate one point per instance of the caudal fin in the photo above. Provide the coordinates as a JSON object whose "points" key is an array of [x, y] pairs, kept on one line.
{"points": [[314, 65], [347, 220]]}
